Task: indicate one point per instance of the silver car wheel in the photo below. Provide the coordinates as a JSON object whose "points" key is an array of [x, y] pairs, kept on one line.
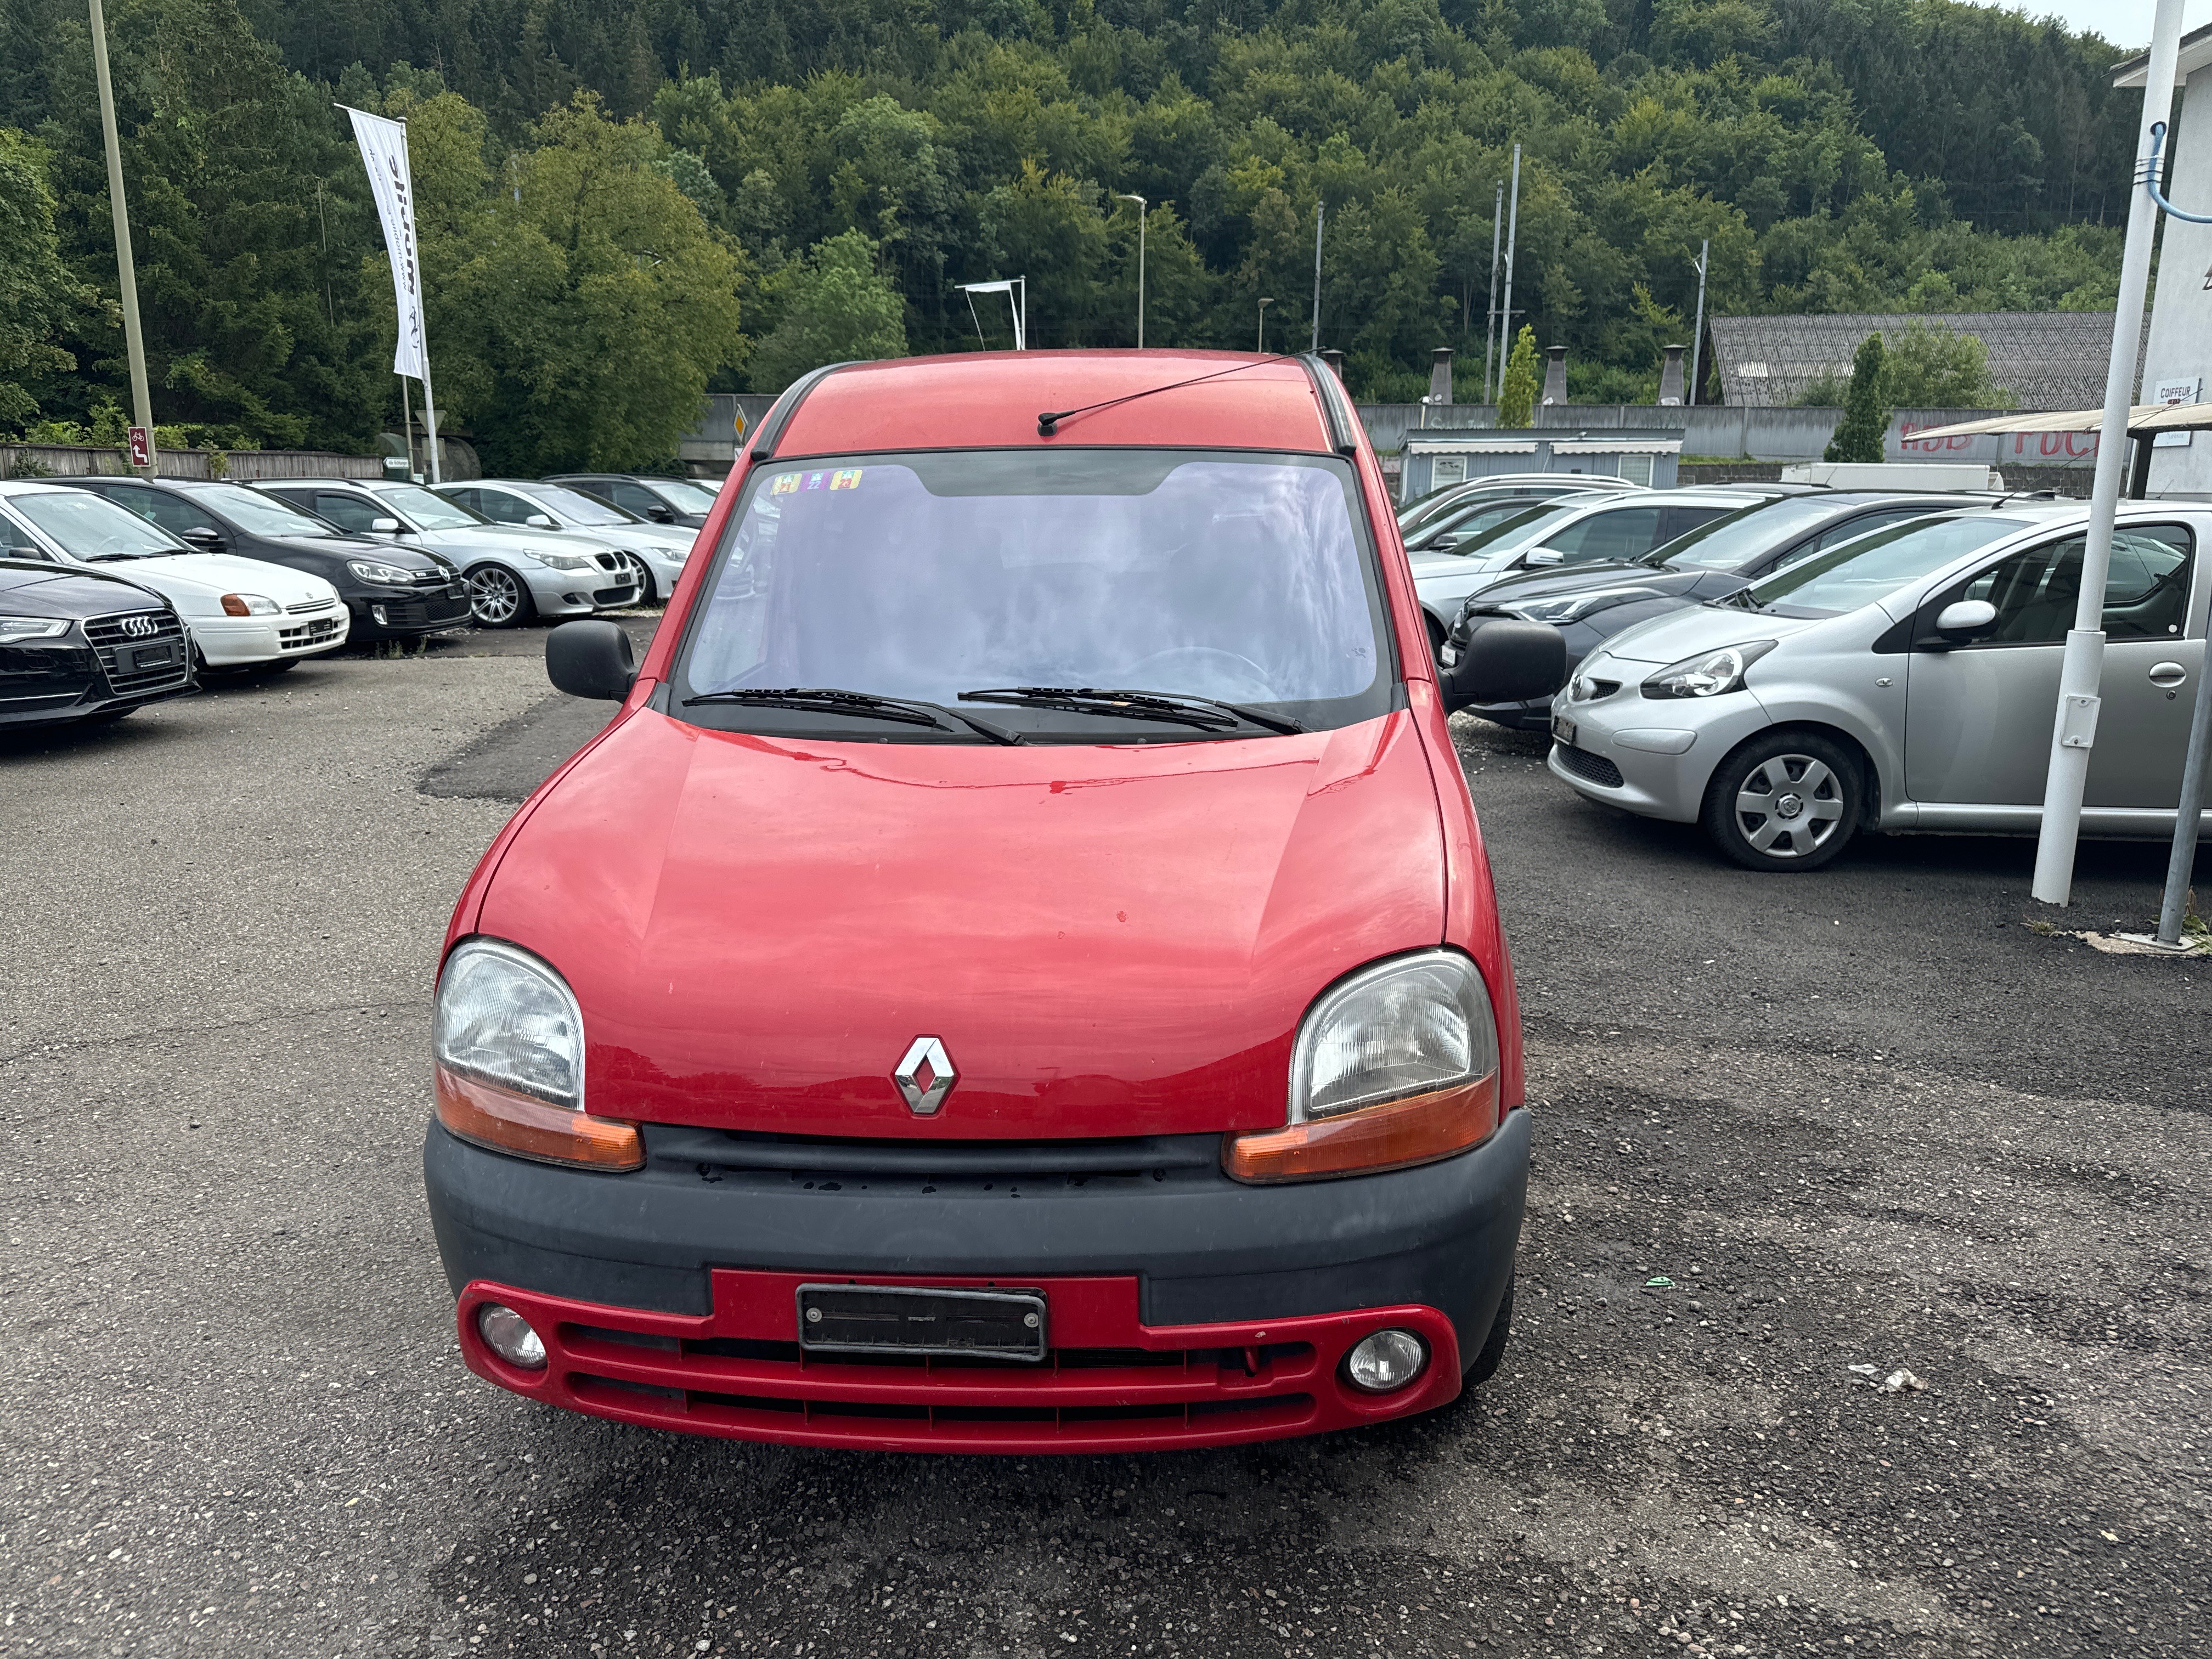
{"points": [[1788, 805], [643, 572], [494, 596]]}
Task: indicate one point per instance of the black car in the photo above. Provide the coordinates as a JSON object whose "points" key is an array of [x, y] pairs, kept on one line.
{"points": [[392, 592], [82, 646], [660, 501], [1588, 603]]}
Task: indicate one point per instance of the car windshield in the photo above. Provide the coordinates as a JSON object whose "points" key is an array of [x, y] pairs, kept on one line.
{"points": [[1194, 573], [258, 514], [91, 527], [1520, 527], [574, 506], [1734, 539], [431, 512], [1859, 572], [683, 496]]}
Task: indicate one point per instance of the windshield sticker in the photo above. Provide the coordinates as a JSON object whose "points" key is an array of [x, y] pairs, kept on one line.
{"points": [[814, 480], [786, 484], [848, 478]]}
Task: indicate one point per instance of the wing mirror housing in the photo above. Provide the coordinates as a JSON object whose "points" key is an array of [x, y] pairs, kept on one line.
{"points": [[203, 539], [539, 521], [384, 528], [1963, 618], [591, 659], [660, 514], [1503, 660], [1540, 555]]}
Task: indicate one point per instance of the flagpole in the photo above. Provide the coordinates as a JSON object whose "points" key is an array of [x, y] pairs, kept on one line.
{"points": [[430, 416]]}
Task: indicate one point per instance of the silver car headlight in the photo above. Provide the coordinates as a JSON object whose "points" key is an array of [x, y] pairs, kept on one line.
{"points": [[563, 560], [506, 1018], [1708, 674], [1407, 1026]]}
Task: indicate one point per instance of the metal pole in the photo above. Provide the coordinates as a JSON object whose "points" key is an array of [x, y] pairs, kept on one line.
{"points": [[1259, 342], [2074, 727], [1141, 206], [1320, 211], [2187, 819], [126, 273], [1505, 313], [1022, 316], [1490, 322], [1697, 335], [430, 420]]}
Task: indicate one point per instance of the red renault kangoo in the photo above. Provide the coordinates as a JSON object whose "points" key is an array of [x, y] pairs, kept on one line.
{"points": [[1019, 972]]}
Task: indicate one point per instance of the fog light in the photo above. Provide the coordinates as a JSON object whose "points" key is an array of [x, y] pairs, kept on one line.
{"points": [[1383, 1363], [376, 614], [510, 1337]]}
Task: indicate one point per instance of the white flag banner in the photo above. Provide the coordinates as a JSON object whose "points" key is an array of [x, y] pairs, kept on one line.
{"points": [[384, 149]]}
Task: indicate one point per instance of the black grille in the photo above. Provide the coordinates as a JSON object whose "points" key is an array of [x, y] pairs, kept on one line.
{"points": [[423, 613], [118, 638], [889, 1160], [307, 636], [614, 595], [609, 561], [1595, 768]]}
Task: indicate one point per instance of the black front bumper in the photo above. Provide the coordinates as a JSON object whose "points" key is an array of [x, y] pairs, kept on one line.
{"points": [[62, 682], [1205, 1248], [407, 614]]}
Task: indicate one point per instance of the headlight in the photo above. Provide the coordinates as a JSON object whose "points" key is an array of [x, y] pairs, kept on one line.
{"points": [[563, 560], [391, 575], [1396, 1065], [1573, 607], [33, 628], [508, 1041], [249, 604], [1708, 674]]}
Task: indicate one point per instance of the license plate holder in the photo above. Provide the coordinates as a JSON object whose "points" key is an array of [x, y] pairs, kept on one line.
{"points": [[923, 1320], [1563, 731], [152, 656]]}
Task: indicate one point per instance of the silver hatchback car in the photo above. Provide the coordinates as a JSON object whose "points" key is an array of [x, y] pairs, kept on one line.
{"points": [[1906, 680]]}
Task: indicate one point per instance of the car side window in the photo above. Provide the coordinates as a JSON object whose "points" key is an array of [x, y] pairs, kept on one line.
{"points": [[1864, 524], [172, 512], [501, 508], [347, 512], [15, 542], [1681, 520], [2035, 591], [1619, 533], [636, 497]]}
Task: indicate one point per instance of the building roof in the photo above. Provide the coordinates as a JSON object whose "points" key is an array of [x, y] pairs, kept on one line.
{"points": [[992, 399], [2046, 359], [2196, 53]]}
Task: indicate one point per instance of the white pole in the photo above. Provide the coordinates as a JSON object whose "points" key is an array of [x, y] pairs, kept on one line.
{"points": [[1320, 211], [1022, 316], [430, 416], [1697, 333], [1505, 316], [2074, 728], [1489, 323], [1141, 206], [126, 272]]}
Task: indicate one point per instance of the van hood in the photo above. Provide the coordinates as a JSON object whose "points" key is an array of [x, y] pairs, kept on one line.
{"points": [[1109, 941], [1679, 634]]}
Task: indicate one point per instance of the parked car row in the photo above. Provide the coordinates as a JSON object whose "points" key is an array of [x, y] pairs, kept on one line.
{"points": [[1826, 663], [204, 576]]}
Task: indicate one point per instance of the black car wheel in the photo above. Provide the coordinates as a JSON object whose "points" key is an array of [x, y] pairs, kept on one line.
{"points": [[497, 598], [1784, 801]]}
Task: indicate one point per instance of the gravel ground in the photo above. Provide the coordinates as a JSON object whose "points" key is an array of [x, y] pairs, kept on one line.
{"points": [[1788, 1127]]}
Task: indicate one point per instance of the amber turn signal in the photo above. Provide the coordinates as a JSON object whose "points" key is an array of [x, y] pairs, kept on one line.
{"points": [[234, 606], [509, 1122], [1393, 1136]]}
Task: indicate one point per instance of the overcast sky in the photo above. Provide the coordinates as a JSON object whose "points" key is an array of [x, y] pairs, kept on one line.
{"points": [[2124, 22]]}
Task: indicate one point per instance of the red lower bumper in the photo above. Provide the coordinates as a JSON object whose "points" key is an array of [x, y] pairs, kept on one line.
{"points": [[1110, 1383]]}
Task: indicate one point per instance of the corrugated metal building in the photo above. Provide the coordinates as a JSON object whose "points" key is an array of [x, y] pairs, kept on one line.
{"points": [[2048, 360]]}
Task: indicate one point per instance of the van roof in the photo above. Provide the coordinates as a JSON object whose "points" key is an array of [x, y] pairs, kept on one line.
{"points": [[991, 400]]}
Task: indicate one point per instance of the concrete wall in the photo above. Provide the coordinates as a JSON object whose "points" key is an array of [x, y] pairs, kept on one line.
{"points": [[1726, 433], [245, 465]]}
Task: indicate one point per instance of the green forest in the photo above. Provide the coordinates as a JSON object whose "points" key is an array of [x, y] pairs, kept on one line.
{"points": [[624, 203]]}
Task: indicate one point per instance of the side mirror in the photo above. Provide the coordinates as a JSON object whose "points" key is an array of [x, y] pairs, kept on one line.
{"points": [[203, 539], [1536, 555], [1444, 544], [591, 659], [660, 514], [384, 527], [1967, 617], [1504, 661], [538, 521]]}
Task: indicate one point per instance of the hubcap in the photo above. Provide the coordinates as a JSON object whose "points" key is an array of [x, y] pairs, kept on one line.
{"points": [[494, 596], [1788, 805], [644, 578]]}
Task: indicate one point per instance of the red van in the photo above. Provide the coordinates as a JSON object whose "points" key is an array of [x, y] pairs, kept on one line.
{"points": [[812, 1067]]}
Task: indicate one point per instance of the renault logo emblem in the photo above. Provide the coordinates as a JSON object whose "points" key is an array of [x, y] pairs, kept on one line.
{"points": [[140, 628], [925, 1076]]}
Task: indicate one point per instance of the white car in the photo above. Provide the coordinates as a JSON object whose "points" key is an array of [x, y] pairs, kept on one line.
{"points": [[240, 613], [513, 574], [1578, 528], [659, 551], [1904, 680]]}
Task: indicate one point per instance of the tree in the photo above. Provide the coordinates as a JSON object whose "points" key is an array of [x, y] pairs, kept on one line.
{"points": [[1932, 368], [38, 296], [1516, 402], [1866, 407], [838, 309]]}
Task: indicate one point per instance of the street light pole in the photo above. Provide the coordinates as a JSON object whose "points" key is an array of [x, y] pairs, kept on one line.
{"points": [[1320, 212], [1141, 206], [1697, 334], [1260, 343], [2074, 728], [142, 402], [1505, 316], [1489, 323]]}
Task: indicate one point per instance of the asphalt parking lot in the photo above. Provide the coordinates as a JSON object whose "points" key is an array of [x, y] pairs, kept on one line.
{"points": [[1787, 1127]]}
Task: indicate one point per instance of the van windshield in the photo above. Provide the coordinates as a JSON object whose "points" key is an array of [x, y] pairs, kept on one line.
{"points": [[1243, 578]]}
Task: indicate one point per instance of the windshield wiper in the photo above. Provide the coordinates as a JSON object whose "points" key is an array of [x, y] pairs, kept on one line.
{"points": [[863, 705], [1174, 707]]}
